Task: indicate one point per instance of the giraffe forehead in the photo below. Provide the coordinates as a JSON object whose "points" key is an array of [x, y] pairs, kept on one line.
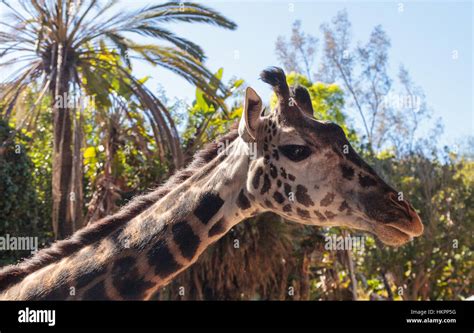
{"points": [[305, 132], [289, 135]]}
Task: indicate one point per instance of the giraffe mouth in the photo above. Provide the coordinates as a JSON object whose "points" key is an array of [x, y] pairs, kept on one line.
{"points": [[392, 236], [400, 232], [397, 226]]}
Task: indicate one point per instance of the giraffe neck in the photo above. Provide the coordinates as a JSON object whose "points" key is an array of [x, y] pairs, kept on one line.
{"points": [[147, 252]]}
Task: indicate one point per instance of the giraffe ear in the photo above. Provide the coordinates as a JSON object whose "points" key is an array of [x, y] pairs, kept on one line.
{"points": [[250, 116]]}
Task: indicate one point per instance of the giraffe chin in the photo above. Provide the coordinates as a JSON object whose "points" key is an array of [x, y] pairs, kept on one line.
{"points": [[392, 236]]}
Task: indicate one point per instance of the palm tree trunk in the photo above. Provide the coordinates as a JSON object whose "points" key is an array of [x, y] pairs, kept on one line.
{"points": [[77, 197], [62, 151]]}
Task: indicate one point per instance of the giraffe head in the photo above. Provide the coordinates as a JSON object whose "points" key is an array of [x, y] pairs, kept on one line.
{"points": [[306, 170]]}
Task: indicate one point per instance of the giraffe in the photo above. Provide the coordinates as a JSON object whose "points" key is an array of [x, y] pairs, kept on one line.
{"points": [[284, 161]]}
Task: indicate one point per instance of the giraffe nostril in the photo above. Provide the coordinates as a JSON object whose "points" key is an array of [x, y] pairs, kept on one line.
{"points": [[411, 223], [401, 205]]}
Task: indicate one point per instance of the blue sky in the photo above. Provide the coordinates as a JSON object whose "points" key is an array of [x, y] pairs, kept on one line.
{"points": [[423, 37]]}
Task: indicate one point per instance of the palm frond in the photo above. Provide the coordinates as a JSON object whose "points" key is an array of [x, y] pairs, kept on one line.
{"points": [[185, 66], [182, 43], [15, 35], [43, 25], [159, 113], [77, 21], [119, 42], [182, 12]]}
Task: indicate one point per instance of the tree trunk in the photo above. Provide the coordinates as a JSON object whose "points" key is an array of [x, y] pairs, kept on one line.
{"points": [[304, 277], [106, 191], [387, 285], [76, 199], [62, 151], [350, 264]]}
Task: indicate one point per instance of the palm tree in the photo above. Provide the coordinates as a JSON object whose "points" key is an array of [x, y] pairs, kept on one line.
{"points": [[71, 47]]}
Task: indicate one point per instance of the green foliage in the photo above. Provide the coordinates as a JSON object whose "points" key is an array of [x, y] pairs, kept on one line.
{"points": [[327, 101], [39, 151], [206, 120], [21, 210], [437, 265]]}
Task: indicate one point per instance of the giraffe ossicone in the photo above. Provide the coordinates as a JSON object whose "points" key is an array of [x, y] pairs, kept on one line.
{"points": [[284, 161]]}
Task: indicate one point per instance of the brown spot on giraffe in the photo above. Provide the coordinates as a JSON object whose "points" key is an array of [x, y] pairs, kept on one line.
{"points": [[242, 201], [287, 188], [279, 198], [217, 229], [320, 216], [275, 154], [127, 280], [87, 277], [347, 172], [330, 215], [273, 171], [302, 196], [256, 177], [186, 239], [303, 213], [268, 204], [344, 206], [328, 199], [96, 292], [366, 181], [208, 206], [164, 262], [266, 184]]}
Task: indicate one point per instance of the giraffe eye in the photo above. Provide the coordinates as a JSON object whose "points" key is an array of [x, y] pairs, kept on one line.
{"points": [[295, 153]]}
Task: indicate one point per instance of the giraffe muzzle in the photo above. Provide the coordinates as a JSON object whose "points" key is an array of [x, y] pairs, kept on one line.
{"points": [[411, 225], [400, 226]]}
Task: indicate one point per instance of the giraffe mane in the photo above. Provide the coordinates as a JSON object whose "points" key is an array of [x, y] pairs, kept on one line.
{"points": [[94, 232]]}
